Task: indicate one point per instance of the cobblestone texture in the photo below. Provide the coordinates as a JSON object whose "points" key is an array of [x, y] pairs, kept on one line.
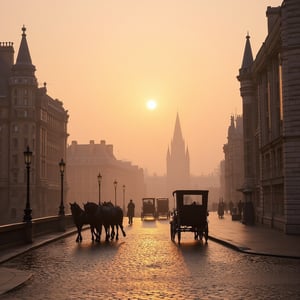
{"points": [[147, 265]]}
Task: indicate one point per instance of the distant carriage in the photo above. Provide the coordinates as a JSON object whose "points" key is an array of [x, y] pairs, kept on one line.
{"points": [[162, 208], [148, 209], [190, 214]]}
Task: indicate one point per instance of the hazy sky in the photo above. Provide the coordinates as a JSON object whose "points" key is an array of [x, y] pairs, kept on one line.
{"points": [[105, 59]]}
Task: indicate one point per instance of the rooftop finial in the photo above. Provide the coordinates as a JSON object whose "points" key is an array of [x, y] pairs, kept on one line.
{"points": [[23, 29], [247, 36]]}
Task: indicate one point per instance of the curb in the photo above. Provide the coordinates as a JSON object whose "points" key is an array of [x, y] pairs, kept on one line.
{"points": [[18, 278], [248, 250]]}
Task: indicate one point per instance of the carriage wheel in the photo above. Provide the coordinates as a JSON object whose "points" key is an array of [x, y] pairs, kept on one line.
{"points": [[172, 231], [179, 236], [206, 233]]}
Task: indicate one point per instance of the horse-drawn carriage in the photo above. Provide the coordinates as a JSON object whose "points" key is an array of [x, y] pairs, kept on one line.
{"points": [[148, 208], [162, 208], [190, 214]]}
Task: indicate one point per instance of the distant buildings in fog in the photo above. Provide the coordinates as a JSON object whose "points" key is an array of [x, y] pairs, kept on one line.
{"points": [[178, 172], [232, 168], [86, 161]]}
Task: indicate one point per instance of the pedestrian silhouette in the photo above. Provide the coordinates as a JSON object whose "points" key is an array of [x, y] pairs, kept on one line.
{"points": [[130, 211]]}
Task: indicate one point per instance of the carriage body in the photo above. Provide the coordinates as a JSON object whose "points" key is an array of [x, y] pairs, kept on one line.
{"points": [[162, 208], [190, 214], [148, 208]]}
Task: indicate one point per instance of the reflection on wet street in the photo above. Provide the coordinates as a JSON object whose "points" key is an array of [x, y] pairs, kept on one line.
{"points": [[147, 265]]}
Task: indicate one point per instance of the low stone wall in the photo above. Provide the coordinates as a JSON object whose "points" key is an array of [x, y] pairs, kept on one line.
{"points": [[25, 232]]}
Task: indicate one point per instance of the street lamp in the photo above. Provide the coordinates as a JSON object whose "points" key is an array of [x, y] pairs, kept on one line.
{"points": [[27, 211], [124, 197], [99, 185], [115, 185], [62, 170]]}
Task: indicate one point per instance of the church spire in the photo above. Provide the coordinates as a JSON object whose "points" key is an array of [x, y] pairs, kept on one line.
{"points": [[177, 131], [23, 65], [178, 161], [248, 57]]}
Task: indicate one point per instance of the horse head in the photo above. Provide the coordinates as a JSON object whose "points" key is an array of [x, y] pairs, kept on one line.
{"points": [[75, 208]]}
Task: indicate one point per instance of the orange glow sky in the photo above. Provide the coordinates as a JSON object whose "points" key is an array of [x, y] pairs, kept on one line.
{"points": [[105, 59]]}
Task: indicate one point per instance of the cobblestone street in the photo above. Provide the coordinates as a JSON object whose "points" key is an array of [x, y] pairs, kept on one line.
{"points": [[147, 265]]}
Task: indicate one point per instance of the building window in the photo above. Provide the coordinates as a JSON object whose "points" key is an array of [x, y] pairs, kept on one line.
{"points": [[25, 142], [15, 128], [279, 161], [15, 177], [25, 129], [15, 143], [15, 160]]}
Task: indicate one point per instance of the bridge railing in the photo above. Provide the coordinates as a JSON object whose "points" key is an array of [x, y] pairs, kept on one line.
{"points": [[25, 232]]}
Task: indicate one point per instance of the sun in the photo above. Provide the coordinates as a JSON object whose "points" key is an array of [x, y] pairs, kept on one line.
{"points": [[151, 104]]}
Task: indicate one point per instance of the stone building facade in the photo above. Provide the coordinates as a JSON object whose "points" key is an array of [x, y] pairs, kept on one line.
{"points": [[270, 90], [233, 162], [86, 161], [28, 117]]}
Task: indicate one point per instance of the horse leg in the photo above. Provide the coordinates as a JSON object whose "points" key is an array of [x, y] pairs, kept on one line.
{"points": [[122, 229], [107, 233], [79, 238], [112, 232], [117, 229], [99, 231], [92, 232]]}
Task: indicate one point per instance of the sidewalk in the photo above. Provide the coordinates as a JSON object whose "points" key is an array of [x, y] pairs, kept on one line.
{"points": [[252, 239], [256, 240]]}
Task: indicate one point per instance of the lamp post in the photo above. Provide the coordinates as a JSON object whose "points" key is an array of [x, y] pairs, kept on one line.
{"points": [[115, 186], [124, 197], [99, 185], [62, 170], [27, 210]]}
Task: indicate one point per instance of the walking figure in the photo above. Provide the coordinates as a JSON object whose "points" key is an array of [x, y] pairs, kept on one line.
{"points": [[130, 211]]}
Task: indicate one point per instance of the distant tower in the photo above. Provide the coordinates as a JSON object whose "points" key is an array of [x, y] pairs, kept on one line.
{"points": [[234, 161], [178, 162]]}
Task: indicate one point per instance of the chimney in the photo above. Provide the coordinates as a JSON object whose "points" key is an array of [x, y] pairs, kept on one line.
{"points": [[6, 63]]}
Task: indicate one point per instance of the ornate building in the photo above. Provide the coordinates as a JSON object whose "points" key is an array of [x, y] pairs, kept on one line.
{"points": [[270, 89], [28, 117], [86, 161], [234, 162], [178, 162]]}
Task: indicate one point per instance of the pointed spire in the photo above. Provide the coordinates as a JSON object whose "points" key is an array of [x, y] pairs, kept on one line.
{"points": [[168, 154], [248, 57], [231, 128], [24, 55], [187, 154], [23, 63], [177, 131]]}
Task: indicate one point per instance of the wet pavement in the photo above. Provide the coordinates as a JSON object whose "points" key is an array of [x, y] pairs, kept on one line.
{"points": [[249, 239]]}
